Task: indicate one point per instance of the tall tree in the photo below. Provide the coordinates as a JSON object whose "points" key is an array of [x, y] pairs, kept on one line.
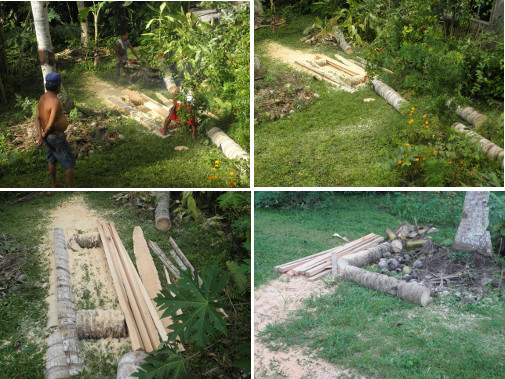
{"points": [[45, 48], [84, 25], [472, 234]]}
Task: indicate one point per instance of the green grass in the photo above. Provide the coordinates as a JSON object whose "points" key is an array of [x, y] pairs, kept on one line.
{"points": [[340, 140], [383, 336], [23, 309], [140, 160], [355, 327]]}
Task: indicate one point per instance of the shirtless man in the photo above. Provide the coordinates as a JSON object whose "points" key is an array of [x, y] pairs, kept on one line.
{"points": [[51, 124]]}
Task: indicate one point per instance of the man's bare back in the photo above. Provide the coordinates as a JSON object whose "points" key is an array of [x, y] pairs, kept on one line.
{"points": [[50, 113]]}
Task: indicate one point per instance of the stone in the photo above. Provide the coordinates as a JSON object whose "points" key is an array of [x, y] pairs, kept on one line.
{"points": [[472, 235], [406, 270], [397, 246], [407, 278], [392, 264], [383, 265], [418, 264]]}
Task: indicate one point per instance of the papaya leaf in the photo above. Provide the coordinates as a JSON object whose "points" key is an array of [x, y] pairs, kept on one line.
{"points": [[163, 363], [200, 304]]}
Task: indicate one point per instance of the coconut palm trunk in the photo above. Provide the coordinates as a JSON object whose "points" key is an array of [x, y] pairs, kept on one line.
{"points": [[45, 48], [84, 25]]}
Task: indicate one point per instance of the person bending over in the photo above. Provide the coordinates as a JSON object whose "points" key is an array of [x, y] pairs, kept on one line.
{"points": [[121, 51], [172, 117], [51, 124]]}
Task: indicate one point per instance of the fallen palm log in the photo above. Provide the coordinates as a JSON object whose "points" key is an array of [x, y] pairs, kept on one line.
{"points": [[389, 94], [492, 150], [117, 279], [412, 292], [328, 77], [62, 355], [138, 116], [100, 323], [162, 213], [230, 148], [339, 36], [470, 114]]}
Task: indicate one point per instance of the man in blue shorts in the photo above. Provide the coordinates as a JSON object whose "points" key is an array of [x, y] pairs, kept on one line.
{"points": [[51, 124]]}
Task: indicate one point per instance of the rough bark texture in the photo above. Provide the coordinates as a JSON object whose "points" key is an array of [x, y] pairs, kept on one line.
{"points": [[87, 240], [129, 364], [390, 95], [492, 150], [259, 70], [230, 148], [472, 235], [62, 356], [84, 25], [45, 47], [471, 115], [100, 323], [339, 36], [156, 249], [412, 292], [162, 214]]}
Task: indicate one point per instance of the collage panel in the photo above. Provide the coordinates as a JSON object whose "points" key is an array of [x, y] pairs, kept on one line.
{"points": [[106, 284], [378, 94], [127, 94], [361, 284]]}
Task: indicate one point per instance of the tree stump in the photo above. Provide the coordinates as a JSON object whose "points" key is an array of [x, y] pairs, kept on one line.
{"points": [[339, 36], [162, 213]]}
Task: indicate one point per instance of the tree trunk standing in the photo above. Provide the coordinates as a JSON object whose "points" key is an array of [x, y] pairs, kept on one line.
{"points": [[472, 235], [84, 26], [45, 48]]}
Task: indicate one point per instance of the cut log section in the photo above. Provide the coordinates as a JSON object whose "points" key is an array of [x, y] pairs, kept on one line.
{"points": [[328, 77], [492, 150], [355, 80], [334, 63], [469, 114], [139, 116], [152, 104], [229, 147], [412, 292], [390, 95], [339, 36], [87, 240], [162, 214], [99, 323]]}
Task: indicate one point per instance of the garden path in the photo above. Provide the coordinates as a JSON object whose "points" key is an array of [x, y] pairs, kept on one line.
{"points": [[272, 302]]}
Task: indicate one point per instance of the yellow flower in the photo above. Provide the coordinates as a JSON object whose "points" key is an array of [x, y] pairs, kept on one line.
{"points": [[210, 177], [461, 162], [216, 162], [427, 127], [417, 159], [399, 162], [407, 144], [231, 173], [213, 168], [450, 162], [411, 121], [426, 122], [230, 186], [424, 116], [412, 108], [424, 158]]}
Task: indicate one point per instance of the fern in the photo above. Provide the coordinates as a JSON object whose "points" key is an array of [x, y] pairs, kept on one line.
{"points": [[239, 283], [199, 303]]}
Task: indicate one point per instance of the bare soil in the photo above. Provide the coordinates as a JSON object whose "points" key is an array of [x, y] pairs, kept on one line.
{"points": [[273, 302]]}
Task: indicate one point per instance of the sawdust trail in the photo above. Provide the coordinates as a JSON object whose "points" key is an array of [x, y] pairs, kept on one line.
{"points": [[273, 302]]}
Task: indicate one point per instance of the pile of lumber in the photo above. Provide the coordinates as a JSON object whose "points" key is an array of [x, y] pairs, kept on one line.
{"points": [[319, 265], [142, 319]]}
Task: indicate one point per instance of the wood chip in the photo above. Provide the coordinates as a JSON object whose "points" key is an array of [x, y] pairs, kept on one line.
{"points": [[178, 148]]}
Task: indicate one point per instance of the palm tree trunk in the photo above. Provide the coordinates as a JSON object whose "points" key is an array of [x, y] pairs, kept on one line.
{"points": [[45, 48], [84, 26]]}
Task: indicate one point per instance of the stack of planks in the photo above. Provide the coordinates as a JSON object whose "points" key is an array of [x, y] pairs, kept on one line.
{"points": [[142, 319], [318, 265]]}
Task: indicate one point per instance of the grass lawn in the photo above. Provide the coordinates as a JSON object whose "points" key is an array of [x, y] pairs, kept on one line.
{"points": [[339, 140], [141, 159], [355, 327]]}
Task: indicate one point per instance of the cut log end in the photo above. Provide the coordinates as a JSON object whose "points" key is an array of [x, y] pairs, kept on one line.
{"points": [[163, 224]]}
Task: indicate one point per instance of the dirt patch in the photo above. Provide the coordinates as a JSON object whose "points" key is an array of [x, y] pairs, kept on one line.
{"points": [[273, 302], [91, 279]]}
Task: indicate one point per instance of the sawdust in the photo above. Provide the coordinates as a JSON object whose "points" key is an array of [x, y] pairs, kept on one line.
{"points": [[273, 302], [89, 271]]}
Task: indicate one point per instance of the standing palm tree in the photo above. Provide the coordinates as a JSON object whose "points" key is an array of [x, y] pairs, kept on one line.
{"points": [[45, 47], [84, 25]]}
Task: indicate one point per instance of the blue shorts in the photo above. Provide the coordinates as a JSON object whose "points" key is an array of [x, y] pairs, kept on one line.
{"points": [[59, 150]]}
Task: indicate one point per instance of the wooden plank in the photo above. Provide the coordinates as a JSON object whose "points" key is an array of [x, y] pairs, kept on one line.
{"points": [[350, 64], [164, 100], [335, 64], [291, 265], [328, 77], [120, 291], [149, 313], [156, 249], [320, 275], [302, 268], [152, 104], [147, 271]]}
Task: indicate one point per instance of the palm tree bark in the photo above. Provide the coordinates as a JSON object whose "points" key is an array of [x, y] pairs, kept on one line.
{"points": [[84, 26], [45, 48]]}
